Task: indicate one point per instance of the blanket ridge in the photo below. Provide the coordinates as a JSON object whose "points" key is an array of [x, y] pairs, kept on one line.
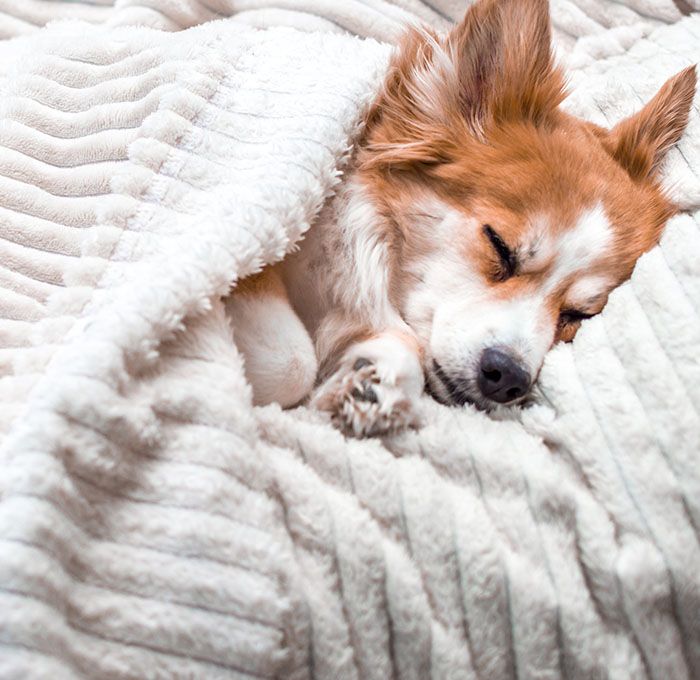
{"points": [[381, 19]]}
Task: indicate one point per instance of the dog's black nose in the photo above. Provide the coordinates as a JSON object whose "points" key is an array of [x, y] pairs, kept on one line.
{"points": [[501, 378]]}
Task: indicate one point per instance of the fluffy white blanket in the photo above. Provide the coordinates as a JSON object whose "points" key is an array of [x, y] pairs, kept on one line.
{"points": [[153, 524]]}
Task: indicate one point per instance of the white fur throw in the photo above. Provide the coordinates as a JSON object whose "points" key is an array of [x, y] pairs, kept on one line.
{"points": [[153, 524]]}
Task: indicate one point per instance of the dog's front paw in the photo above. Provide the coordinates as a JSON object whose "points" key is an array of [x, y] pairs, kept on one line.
{"points": [[369, 397]]}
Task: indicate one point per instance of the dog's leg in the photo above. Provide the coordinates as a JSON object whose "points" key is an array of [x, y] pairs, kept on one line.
{"points": [[376, 387], [280, 361]]}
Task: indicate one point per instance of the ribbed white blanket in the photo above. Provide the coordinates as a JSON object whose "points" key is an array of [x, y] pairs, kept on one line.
{"points": [[380, 19], [153, 524]]}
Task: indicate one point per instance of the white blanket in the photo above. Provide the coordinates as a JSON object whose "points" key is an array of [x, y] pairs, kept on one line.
{"points": [[153, 524], [380, 19]]}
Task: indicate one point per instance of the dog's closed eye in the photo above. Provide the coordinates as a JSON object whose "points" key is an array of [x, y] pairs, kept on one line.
{"points": [[506, 256], [569, 322], [568, 316]]}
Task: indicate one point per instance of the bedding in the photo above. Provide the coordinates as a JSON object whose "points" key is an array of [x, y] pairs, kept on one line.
{"points": [[154, 524]]}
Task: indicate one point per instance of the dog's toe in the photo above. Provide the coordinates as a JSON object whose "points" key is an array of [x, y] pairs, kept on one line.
{"points": [[363, 404]]}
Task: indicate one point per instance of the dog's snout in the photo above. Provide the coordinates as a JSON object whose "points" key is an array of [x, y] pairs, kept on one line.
{"points": [[501, 378]]}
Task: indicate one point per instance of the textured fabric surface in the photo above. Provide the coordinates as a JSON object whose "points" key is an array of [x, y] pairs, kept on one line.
{"points": [[153, 524], [380, 19]]}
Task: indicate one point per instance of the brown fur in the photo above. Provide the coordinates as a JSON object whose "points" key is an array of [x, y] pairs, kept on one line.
{"points": [[503, 151], [537, 217], [266, 282]]}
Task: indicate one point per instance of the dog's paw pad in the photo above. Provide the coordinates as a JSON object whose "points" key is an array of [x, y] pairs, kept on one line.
{"points": [[366, 394], [363, 404], [361, 363]]}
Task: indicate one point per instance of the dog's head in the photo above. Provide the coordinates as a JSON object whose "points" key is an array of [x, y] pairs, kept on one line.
{"points": [[510, 220]]}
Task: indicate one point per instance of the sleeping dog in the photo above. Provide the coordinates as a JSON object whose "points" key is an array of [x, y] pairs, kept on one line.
{"points": [[479, 224]]}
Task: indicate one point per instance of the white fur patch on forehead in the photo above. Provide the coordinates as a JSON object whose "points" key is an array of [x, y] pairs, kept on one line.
{"points": [[538, 247], [587, 290], [579, 247], [591, 235]]}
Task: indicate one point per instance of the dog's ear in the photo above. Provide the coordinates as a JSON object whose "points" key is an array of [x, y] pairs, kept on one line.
{"points": [[495, 65], [505, 66], [412, 120], [640, 143]]}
